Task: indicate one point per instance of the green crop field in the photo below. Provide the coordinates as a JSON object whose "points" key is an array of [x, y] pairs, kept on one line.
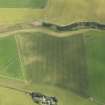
{"points": [[95, 42], [22, 3], [9, 60], [45, 56]]}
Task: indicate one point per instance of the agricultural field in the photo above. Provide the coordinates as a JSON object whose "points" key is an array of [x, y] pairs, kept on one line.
{"points": [[48, 55], [22, 3], [68, 65], [9, 61], [56, 11], [10, 16], [75, 58], [20, 11], [95, 50], [70, 11], [12, 97]]}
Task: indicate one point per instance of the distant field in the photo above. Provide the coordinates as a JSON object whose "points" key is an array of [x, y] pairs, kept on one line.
{"points": [[22, 3], [56, 11], [9, 61], [95, 46], [69, 11]]}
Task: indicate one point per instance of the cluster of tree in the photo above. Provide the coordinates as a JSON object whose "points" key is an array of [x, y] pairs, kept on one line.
{"points": [[75, 26]]}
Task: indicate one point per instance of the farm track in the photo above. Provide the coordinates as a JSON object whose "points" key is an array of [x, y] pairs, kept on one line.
{"points": [[56, 34], [53, 29]]}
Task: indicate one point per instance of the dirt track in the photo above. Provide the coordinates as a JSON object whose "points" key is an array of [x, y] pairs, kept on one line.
{"points": [[52, 29], [46, 31]]}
